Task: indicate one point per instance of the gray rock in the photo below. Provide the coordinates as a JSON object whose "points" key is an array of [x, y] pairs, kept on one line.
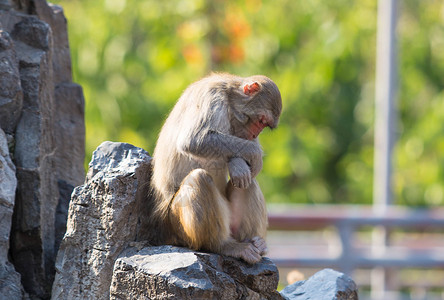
{"points": [[7, 196], [44, 114], [54, 17], [5, 4], [33, 234], [324, 285], [10, 285], [11, 96], [102, 221], [69, 140], [34, 33], [168, 272], [69, 133]]}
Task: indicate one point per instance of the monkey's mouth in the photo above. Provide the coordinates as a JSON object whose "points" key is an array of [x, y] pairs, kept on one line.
{"points": [[256, 128]]}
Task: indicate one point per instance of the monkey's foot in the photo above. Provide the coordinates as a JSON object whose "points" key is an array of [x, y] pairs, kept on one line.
{"points": [[250, 253], [246, 251], [260, 244]]}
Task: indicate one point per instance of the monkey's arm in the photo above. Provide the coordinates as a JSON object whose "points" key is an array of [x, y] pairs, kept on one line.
{"points": [[216, 145]]}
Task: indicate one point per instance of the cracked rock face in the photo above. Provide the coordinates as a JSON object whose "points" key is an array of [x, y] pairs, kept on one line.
{"points": [[10, 285], [41, 111]]}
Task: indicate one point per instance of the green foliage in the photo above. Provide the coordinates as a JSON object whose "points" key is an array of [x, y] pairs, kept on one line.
{"points": [[134, 58]]}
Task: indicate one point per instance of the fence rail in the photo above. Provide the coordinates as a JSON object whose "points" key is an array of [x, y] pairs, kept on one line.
{"points": [[349, 219]]}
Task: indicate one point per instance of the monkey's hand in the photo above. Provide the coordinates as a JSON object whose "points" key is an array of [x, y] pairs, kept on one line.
{"points": [[255, 165], [240, 173]]}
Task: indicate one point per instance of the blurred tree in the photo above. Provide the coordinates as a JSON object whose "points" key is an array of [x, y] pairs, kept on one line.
{"points": [[134, 58]]}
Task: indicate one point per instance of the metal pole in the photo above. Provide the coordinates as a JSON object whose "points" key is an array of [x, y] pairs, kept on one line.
{"points": [[384, 130]]}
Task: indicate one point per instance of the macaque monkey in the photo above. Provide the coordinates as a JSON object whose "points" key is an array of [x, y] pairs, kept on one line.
{"points": [[211, 134]]}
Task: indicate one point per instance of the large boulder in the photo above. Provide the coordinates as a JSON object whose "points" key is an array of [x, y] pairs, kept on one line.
{"points": [[103, 220], [168, 272]]}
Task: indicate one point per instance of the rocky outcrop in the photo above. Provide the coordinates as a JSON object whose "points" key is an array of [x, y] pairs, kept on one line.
{"points": [[41, 112], [10, 286], [326, 284], [103, 220]]}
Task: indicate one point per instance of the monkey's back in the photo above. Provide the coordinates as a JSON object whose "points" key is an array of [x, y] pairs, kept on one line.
{"points": [[197, 111]]}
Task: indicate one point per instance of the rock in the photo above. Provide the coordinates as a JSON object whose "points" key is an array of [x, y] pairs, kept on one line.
{"points": [[326, 284], [33, 234], [42, 112], [103, 219], [34, 33], [168, 272], [54, 17], [69, 140], [5, 4], [7, 196], [10, 285], [69, 134], [11, 98]]}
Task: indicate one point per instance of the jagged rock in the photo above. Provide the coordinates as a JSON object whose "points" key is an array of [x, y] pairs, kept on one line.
{"points": [[54, 17], [168, 272], [11, 96], [102, 221], [41, 110], [326, 285], [69, 140], [10, 286], [33, 235], [7, 195]]}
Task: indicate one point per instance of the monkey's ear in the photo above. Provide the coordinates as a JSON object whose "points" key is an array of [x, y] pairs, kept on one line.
{"points": [[251, 89]]}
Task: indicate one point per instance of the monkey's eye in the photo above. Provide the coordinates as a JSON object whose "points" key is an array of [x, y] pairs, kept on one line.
{"points": [[264, 122]]}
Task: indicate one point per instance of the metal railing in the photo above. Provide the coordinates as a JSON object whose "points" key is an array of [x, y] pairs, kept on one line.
{"points": [[348, 220]]}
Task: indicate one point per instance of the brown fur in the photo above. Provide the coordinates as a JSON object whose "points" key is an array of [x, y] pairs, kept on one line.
{"points": [[212, 133]]}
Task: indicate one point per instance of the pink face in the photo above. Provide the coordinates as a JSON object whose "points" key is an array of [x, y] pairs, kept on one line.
{"points": [[255, 128]]}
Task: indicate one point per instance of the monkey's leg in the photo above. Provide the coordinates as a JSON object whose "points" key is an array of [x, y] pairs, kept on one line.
{"points": [[248, 215], [202, 216]]}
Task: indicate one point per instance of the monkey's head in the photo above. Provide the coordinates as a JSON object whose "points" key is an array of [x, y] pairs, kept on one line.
{"points": [[255, 104]]}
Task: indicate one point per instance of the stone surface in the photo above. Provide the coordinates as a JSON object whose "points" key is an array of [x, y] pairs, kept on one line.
{"points": [[7, 195], [41, 111], [54, 17], [33, 235], [102, 221], [326, 285], [168, 272], [11, 98], [10, 286]]}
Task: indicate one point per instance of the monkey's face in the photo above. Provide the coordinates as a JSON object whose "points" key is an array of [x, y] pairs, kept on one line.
{"points": [[255, 127], [262, 107]]}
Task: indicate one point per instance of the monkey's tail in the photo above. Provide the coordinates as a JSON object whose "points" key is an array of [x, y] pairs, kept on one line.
{"points": [[159, 218]]}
